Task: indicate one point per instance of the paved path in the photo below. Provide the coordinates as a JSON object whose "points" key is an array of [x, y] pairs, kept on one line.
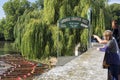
{"points": [[63, 60], [87, 66]]}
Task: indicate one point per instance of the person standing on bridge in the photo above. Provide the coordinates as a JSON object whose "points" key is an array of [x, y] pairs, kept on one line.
{"points": [[112, 55], [116, 31]]}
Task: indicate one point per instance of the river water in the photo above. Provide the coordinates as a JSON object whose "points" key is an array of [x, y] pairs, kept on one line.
{"points": [[7, 48]]}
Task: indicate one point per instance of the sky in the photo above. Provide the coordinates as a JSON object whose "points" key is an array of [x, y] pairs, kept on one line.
{"points": [[1, 9], [114, 1], [3, 1]]}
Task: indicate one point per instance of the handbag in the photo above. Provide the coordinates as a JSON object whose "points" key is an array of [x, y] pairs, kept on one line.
{"points": [[105, 65]]}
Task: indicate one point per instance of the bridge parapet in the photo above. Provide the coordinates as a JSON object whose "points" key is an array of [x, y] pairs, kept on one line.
{"points": [[87, 66]]}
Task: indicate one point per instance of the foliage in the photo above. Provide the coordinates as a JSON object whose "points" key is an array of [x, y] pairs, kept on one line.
{"points": [[13, 9], [115, 11], [2, 22], [34, 25]]}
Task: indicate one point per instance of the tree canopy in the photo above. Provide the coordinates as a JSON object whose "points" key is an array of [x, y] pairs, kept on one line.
{"points": [[33, 26], [115, 12]]}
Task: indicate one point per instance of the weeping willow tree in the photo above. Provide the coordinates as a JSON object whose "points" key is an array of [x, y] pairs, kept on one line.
{"points": [[30, 33], [37, 35]]}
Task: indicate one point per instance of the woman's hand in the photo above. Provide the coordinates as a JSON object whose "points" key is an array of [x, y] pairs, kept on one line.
{"points": [[98, 49], [95, 36]]}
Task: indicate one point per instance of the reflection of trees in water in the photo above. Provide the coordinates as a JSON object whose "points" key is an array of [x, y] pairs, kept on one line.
{"points": [[7, 48]]}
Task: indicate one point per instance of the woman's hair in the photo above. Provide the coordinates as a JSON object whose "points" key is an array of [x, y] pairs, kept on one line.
{"points": [[108, 33]]}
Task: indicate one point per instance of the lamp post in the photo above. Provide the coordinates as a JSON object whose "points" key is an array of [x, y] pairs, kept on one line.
{"points": [[89, 16]]}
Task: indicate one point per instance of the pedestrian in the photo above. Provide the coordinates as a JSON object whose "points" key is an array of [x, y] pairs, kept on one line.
{"points": [[116, 31], [111, 59]]}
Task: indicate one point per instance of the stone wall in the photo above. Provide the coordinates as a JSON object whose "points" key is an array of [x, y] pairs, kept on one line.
{"points": [[87, 66]]}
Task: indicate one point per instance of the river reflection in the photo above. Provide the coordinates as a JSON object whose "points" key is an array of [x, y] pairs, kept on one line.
{"points": [[7, 48]]}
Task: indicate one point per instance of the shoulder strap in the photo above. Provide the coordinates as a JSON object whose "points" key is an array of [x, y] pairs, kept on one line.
{"points": [[116, 45]]}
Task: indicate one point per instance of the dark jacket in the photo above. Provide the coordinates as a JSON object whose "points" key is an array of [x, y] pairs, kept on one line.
{"points": [[116, 34], [112, 53]]}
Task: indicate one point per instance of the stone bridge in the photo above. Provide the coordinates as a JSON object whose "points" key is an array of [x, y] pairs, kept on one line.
{"points": [[87, 66]]}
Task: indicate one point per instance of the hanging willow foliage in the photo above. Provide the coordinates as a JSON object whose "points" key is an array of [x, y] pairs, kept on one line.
{"points": [[37, 35], [33, 34]]}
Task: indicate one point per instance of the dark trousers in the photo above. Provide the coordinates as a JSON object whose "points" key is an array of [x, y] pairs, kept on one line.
{"points": [[113, 72]]}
